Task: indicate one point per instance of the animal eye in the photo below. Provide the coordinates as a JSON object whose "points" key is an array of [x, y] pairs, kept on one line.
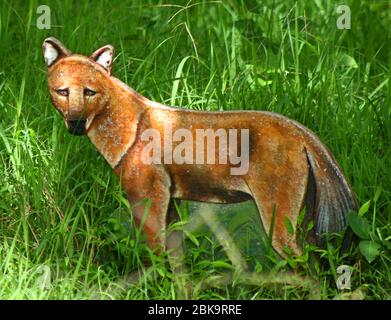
{"points": [[89, 92], [63, 92]]}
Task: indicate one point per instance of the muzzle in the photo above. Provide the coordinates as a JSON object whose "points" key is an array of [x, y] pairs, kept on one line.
{"points": [[77, 126]]}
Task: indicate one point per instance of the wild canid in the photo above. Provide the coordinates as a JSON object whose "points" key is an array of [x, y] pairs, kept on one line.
{"points": [[288, 169]]}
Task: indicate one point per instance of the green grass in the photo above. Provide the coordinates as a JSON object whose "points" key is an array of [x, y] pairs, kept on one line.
{"points": [[61, 207]]}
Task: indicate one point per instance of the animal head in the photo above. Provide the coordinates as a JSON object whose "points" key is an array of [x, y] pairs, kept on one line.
{"points": [[77, 84]]}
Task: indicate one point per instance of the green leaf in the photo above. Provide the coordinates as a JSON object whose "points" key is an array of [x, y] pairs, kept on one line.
{"points": [[377, 194], [178, 75], [347, 61], [162, 272], [192, 238], [289, 226], [310, 226], [222, 264], [359, 225], [369, 249], [364, 208], [263, 83], [387, 244], [99, 180], [301, 217]]}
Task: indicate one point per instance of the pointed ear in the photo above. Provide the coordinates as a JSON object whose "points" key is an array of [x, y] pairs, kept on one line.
{"points": [[104, 56], [53, 50]]}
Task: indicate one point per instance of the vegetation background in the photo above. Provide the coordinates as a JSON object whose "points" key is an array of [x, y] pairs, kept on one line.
{"points": [[65, 227]]}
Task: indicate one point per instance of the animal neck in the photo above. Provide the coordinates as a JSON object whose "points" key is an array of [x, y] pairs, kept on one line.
{"points": [[114, 131]]}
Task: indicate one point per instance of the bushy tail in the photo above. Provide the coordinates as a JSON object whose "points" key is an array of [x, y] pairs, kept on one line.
{"points": [[329, 197]]}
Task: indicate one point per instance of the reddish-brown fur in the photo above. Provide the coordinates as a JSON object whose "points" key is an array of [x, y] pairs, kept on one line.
{"points": [[286, 159]]}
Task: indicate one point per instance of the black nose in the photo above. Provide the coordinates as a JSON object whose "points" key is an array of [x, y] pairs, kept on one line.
{"points": [[77, 126]]}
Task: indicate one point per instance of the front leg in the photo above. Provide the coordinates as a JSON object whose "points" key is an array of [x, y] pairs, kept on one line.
{"points": [[148, 191], [175, 241]]}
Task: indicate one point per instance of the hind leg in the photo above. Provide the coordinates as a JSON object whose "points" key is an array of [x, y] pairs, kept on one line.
{"points": [[279, 189]]}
